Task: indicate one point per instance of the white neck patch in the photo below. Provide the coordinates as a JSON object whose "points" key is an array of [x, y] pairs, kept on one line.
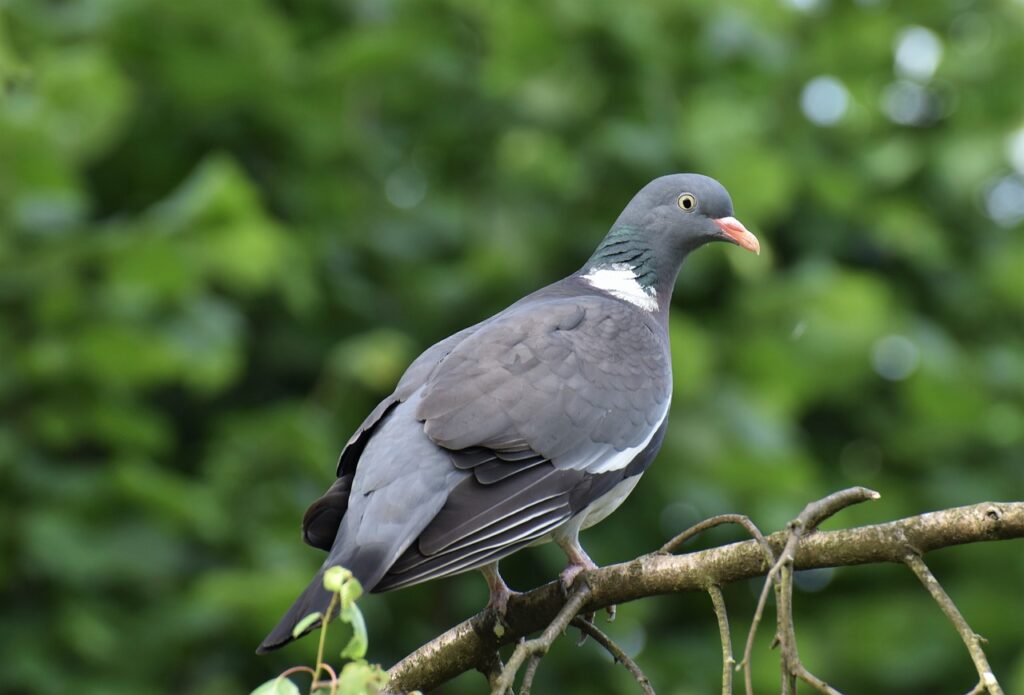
{"points": [[620, 281]]}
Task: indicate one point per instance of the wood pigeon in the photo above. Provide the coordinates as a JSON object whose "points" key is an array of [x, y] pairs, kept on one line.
{"points": [[527, 427]]}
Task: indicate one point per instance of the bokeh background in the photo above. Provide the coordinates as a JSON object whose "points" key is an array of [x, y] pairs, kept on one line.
{"points": [[228, 226]]}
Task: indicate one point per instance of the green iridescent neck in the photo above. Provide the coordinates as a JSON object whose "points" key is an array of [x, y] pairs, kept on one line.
{"points": [[624, 246]]}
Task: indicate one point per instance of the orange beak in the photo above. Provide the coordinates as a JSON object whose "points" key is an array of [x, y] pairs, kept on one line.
{"points": [[738, 234]]}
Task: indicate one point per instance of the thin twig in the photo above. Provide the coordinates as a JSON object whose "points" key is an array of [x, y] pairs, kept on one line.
{"points": [[719, 520], [314, 684], [320, 665], [748, 648], [769, 561], [792, 667], [491, 667], [331, 684], [972, 640], [529, 673], [616, 651], [817, 512], [295, 669], [728, 662], [807, 522], [540, 645], [785, 636]]}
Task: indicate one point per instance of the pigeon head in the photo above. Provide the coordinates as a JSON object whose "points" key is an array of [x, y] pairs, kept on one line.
{"points": [[681, 212], [670, 217]]}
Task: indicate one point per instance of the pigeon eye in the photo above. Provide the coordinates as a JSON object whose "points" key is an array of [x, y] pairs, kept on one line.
{"points": [[687, 202]]}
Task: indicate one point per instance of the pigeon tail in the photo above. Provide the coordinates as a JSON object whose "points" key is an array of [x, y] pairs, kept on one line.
{"points": [[367, 563], [314, 598]]}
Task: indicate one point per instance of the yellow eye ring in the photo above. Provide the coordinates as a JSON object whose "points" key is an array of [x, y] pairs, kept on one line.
{"points": [[687, 202]]}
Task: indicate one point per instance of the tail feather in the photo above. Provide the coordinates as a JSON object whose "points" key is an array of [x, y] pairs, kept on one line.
{"points": [[314, 598], [367, 563]]}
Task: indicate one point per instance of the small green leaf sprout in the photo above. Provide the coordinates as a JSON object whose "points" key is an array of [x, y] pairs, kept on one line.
{"points": [[357, 677]]}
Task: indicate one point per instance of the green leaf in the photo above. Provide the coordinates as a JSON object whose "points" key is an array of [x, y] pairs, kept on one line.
{"points": [[335, 577], [357, 645], [360, 678], [350, 591], [277, 686], [304, 624]]}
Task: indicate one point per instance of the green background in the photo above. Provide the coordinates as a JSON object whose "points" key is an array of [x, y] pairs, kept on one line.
{"points": [[227, 227]]}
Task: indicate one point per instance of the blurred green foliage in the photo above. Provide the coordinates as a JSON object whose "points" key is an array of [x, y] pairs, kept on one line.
{"points": [[225, 229]]}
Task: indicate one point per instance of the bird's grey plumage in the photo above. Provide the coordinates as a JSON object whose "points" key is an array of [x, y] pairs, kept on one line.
{"points": [[530, 424], [517, 383]]}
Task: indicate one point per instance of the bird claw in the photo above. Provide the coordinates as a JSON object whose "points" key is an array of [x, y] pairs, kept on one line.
{"points": [[497, 601], [579, 562], [568, 577], [572, 571], [497, 607], [589, 618]]}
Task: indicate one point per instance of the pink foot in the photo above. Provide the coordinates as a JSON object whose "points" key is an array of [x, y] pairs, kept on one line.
{"points": [[499, 591], [568, 576], [498, 601], [579, 562]]}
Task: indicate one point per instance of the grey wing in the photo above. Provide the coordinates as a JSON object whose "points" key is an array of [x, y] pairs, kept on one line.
{"points": [[571, 380], [548, 407], [412, 379], [483, 522], [322, 520], [402, 483]]}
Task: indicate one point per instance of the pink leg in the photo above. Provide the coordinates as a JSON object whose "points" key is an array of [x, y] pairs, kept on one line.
{"points": [[579, 561], [500, 593]]}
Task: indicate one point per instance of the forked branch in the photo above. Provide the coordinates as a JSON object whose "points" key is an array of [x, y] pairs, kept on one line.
{"points": [[536, 648], [782, 575], [473, 643]]}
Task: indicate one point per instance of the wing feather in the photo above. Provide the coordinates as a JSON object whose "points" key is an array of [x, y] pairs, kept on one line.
{"points": [[477, 555], [572, 380], [473, 507]]}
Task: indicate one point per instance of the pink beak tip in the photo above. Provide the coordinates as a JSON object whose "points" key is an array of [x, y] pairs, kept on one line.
{"points": [[739, 234]]}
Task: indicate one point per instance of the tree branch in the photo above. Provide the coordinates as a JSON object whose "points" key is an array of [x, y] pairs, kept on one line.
{"points": [[728, 662], [616, 652], [986, 679], [474, 641], [536, 648], [808, 521]]}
